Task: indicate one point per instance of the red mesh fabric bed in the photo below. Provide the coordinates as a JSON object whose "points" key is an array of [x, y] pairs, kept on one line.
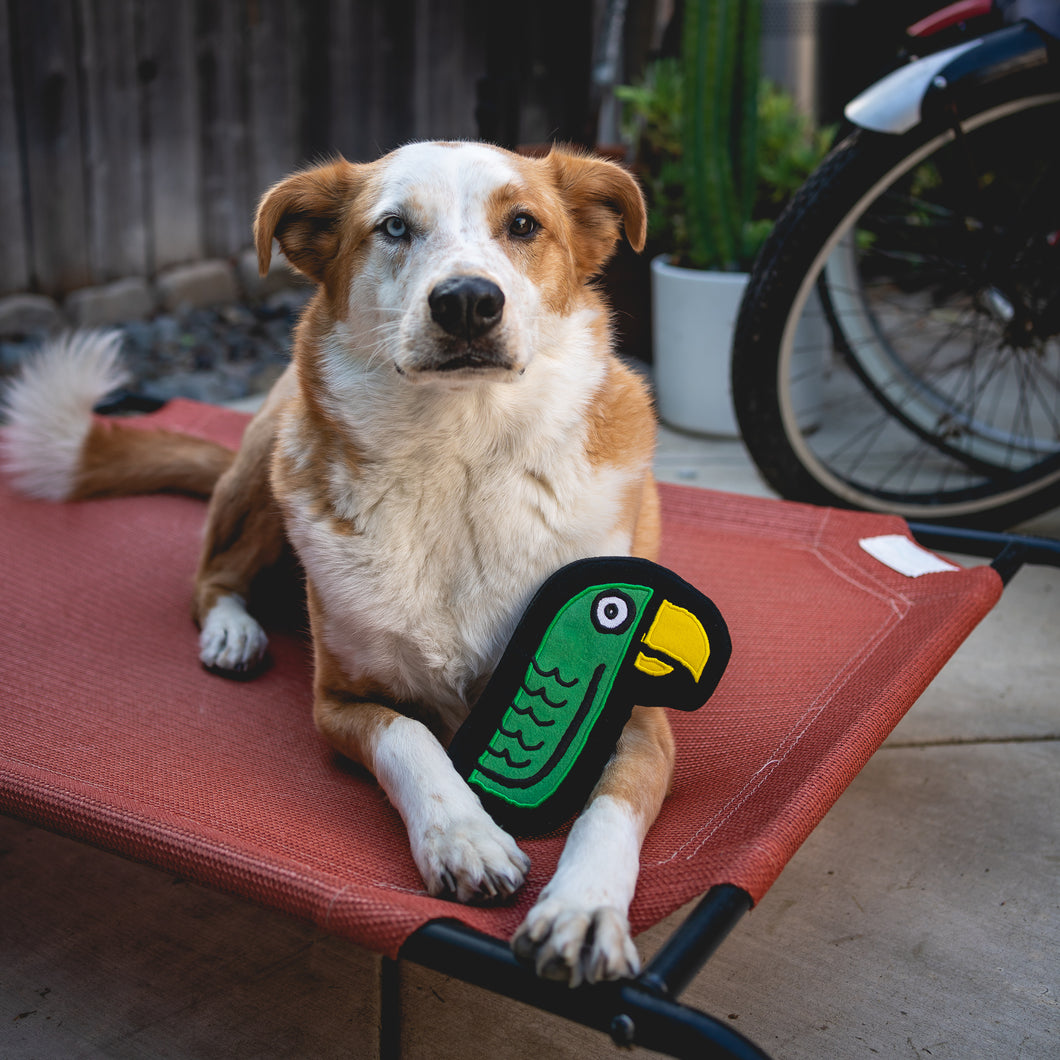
{"points": [[111, 732]]}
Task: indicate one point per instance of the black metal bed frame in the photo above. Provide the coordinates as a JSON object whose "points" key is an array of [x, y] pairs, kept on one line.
{"points": [[646, 1011]]}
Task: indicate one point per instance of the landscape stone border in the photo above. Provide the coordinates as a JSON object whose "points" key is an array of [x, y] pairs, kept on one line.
{"points": [[212, 330]]}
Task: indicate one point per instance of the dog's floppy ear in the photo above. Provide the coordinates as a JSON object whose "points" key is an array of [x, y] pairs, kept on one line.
{"points": [[305, 213], [598, 193]]}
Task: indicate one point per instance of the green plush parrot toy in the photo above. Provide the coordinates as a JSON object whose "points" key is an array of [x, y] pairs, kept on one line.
{"points": [[600, 636]]}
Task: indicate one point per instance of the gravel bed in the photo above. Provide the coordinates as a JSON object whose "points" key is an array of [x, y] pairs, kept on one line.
{"points": [[218, 355]]}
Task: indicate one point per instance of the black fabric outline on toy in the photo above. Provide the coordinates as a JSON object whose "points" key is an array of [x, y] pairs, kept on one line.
{"points": [[630, 686]]}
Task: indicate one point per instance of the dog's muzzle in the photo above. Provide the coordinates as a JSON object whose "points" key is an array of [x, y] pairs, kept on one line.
{"points": [[464, 340], [466, 307]]}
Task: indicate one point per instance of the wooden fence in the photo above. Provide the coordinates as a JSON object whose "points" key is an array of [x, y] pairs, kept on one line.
{"points": [[137, 134]]}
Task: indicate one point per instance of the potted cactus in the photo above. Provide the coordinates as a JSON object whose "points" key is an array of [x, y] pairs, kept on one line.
{"points": [[719, 152]]}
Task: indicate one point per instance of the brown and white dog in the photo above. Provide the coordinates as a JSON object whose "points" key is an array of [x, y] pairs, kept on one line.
{"points": [[453, 428]]}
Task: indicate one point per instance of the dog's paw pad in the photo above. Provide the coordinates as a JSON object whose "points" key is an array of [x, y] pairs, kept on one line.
{"points": [[231, 641], [577, 943], [474, 862]]}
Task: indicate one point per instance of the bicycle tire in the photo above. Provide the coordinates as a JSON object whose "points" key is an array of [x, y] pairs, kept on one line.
{"points": [[934, 455]]}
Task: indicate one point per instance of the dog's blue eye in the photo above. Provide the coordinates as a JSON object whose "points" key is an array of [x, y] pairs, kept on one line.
{"points": [[395, 227], [522, 226]]}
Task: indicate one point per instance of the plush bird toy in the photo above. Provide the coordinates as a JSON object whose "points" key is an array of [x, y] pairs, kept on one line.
{"points": [[600, 636]]}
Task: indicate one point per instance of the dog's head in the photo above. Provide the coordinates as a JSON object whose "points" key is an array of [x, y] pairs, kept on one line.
{"points": [[443, 262]]}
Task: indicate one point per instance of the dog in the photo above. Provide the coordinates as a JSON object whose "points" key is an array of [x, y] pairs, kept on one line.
{"points": [[453, 428]]}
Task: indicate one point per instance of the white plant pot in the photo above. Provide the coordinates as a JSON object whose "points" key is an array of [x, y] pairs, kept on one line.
{"points": [[693, 316]]}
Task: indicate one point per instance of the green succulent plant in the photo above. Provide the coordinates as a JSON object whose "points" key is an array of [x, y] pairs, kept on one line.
{"points": [[719, 149]]}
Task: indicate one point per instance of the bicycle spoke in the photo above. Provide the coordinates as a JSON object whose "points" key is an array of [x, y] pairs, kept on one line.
{"points": [[938, 388]]}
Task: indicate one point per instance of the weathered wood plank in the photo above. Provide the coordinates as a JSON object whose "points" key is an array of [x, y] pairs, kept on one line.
{"points": [[312, 35], [114, 162], [14, 261], [371, 76], [43, 34], [136, 134], [389, 69], [220, 66], [166, 64], [272, 101], [344, 105], [449, 61]]}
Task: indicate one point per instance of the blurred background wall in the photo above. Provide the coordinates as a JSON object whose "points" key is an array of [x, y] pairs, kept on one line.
{"points": [[136, 135]]}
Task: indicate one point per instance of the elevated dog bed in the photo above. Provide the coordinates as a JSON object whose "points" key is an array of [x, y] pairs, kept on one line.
{"points": [[111, 732]]}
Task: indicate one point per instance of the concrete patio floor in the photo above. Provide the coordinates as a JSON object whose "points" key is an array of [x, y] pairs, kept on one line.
{"points": [[921, 918]]}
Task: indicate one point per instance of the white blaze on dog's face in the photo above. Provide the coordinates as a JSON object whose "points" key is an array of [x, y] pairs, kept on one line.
{"points": [[458, 239], [449, 264]]}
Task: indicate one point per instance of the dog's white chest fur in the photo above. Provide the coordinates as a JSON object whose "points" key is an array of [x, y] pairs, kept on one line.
{"points": [[445, 541]]}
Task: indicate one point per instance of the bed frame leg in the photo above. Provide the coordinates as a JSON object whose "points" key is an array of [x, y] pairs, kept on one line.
{"points": [[389, 1010], [643, 1011]]}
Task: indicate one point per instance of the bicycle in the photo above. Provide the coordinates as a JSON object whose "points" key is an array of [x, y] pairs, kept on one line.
{"points": [[898, 345]]}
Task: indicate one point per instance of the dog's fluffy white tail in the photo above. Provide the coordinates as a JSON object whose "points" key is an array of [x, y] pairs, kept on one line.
{"points": [[48, 409]]}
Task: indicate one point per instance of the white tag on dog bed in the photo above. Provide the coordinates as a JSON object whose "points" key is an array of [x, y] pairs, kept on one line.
{"points": [[904, 556]]}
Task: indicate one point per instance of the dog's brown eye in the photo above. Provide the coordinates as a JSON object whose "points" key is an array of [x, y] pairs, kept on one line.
{"points": [[522, 225]]}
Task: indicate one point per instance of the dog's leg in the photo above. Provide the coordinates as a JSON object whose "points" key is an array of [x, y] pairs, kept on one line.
{"points": [[579, 929], [244, 534], [459, 850]]}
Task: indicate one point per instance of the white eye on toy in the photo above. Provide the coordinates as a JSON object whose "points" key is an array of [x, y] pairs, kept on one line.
{"points": [[613, 611]]}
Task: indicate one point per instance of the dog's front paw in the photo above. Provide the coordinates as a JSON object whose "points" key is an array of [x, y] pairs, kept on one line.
{"points": [[576, 942], [231, 641], [470, 859]]}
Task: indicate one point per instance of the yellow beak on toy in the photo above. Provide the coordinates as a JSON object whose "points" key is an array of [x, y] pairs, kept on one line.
{"points": [[679, 635]]}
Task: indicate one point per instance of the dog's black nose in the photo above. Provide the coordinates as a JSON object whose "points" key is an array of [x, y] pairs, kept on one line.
{"points": [[466, 306]]}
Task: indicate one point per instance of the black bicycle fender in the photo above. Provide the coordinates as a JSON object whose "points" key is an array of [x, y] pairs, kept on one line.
{"points": [[1011, 63]]}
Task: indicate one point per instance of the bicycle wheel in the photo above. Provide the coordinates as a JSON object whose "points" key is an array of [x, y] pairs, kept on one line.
{"points": [[898, 347]]}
